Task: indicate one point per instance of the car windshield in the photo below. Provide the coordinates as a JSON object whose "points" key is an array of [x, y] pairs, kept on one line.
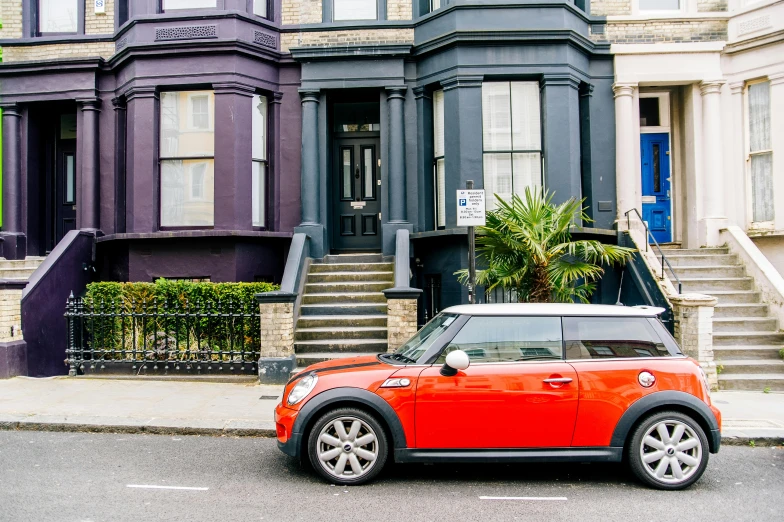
{"points": [[424, 338]]}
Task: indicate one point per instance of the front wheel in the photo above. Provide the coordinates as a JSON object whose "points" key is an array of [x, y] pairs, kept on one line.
{"points": [[668, 450], [347, 446]]}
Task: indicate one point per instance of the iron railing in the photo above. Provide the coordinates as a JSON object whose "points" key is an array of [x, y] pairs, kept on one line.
{"points": [[648, 234], [501, 295], [153, 336]]}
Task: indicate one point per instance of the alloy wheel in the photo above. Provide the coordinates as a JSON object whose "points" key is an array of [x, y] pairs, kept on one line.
{"points": [[671, 451], [347, 448]]}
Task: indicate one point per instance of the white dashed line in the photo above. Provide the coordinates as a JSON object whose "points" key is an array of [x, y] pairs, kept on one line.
{"points": [[146, 486], [522, 498]]}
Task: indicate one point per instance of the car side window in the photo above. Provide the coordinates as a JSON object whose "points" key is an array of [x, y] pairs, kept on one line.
{"points": [[611, 337], [506, 339]]}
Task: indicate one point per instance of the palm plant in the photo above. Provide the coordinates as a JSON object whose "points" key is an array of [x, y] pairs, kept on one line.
{"points": [[527, 247]]}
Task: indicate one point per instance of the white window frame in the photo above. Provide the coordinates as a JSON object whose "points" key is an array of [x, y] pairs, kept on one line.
{"points": [[263, 161], [686, 6], [335, 19], [439, 198], [210, 116], [188, 7], [755, 225], [203, 174], [664, 113]]}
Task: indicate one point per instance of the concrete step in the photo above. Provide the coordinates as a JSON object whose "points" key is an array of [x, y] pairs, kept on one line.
{"points": [[30, 262], [702, 260], [345, 332], [341, 277], [320, 268], [744, 324], [708, 271], [740, 310], [736, 296], [706, 286], [752, 382], [335, 346], [746, 352], [341, 321], [350, 287], [305, 360], [353, 258], [746, 366], [696, 251], [22, 273], [344, 298], [343, 309], [748, 338]]}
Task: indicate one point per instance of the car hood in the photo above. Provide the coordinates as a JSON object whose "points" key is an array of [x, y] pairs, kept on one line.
{"points": [[348, 363]]}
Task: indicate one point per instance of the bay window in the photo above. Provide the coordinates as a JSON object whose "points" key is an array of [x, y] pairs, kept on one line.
{"points": [[259, 173], [439, 173], [760, 152], [187, 158], [354, 10], [511, 138], [58, 16]]}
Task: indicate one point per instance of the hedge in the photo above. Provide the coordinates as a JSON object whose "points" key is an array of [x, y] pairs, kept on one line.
{"points": [[173, 320]]}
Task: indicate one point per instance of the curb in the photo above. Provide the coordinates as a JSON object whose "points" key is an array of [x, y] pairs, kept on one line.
{"points": [[137, 429], [752, 441]]}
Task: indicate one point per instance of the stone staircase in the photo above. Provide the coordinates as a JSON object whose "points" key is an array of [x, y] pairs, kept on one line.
{"points": [[344, 310], [19, 270], [746, 338]]}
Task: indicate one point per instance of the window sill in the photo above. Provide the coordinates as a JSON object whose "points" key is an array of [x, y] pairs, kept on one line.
{"points": [[172, 234]]}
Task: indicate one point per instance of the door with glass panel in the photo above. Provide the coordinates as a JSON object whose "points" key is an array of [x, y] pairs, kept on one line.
{"points": [[356, 195], [65, 189]]}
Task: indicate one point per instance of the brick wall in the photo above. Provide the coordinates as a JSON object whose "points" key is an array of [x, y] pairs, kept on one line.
{"points": [[10, 315], [58, 51], [277, 329], [693, 316], [611, 7], [11, 16], [98, 24], [340, 38], [295, 12], [656, 31], [399, 9], [711, 6]]}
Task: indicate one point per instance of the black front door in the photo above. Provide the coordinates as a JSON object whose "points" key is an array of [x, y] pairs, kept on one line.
{"points": [[357, 195], [65, 192]]}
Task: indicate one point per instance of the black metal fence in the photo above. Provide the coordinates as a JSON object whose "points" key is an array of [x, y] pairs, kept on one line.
{"points": [[154, 337], [501, 295]]}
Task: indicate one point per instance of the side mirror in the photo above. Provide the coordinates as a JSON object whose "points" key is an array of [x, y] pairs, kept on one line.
{"points": [[457, 360]]}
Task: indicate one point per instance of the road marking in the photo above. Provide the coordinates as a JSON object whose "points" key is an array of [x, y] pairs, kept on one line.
{"points": [[147, 486], [522, 498]]}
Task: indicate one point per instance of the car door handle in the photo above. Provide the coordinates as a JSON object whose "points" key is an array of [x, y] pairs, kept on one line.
{"points": [[559, 380]]}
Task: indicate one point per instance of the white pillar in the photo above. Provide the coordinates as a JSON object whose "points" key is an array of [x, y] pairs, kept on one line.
{"points": [[735, 172], [714, 217], [625, 165], [777, 140]]}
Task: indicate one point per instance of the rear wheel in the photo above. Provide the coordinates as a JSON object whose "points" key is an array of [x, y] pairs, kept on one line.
{"points": [[347, 446], [668, 450]]}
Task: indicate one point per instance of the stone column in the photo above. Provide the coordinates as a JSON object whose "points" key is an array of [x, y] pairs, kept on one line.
{"points": [[693, 315], [737, 169], [714, 217], [14, 242], [626, 173], [401, 317], [233, 160], [274, 158], [277, 359], [424, 175], [777, 137], [397, 155], [88, 204], [311, 173], [561, 125]]}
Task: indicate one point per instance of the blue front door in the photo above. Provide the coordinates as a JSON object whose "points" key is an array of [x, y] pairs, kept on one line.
{"points": [[656, 207]]}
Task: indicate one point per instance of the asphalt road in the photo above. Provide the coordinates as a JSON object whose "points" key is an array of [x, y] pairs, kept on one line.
{"points": [[85, 477]]}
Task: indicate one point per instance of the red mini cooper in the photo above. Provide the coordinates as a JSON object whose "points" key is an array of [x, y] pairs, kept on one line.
{"points": [[510, 383]]}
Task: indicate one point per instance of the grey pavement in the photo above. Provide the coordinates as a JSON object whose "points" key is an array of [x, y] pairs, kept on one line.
{"points": [[64, 477], [174, 406]]}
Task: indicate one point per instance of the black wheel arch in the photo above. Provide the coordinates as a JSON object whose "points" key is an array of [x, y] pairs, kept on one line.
{"points": [[312, 410], [668, 400]]}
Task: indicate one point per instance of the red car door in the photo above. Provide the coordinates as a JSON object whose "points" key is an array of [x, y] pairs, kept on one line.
{"points": [[517, 393]]}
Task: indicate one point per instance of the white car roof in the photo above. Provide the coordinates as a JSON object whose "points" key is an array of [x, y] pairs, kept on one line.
{"points": [[557, 309]]}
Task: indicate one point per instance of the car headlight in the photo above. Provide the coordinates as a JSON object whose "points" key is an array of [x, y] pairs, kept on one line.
{"points": [[302, 389]]}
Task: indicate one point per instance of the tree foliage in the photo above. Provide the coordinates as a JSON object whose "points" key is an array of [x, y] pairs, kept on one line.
{"points": [[527, 247]]}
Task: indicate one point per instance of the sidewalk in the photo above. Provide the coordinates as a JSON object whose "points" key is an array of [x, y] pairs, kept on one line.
{"points": [[184, 407]]}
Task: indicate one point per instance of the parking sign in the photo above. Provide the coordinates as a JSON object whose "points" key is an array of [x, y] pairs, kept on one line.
{"points": [[470, 208]]}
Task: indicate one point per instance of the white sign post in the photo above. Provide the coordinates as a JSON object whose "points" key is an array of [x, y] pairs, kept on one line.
{"points": [[100, 6], [471, 213]]}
